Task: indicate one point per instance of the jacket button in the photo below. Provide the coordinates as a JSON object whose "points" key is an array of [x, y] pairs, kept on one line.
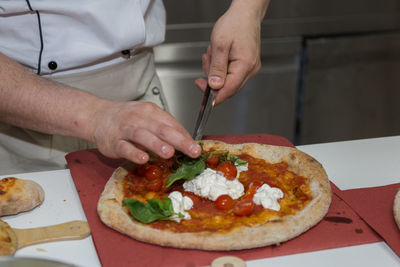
{"points": [[126, 52], [52, 65]]}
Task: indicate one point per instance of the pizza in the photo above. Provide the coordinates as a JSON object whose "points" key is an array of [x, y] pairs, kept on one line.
{"points": [[18, 195], [234, 196], [396, 208], [8, 239]]}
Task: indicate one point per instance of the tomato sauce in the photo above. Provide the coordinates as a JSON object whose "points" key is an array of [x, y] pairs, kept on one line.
{"points": [[205, 214]]}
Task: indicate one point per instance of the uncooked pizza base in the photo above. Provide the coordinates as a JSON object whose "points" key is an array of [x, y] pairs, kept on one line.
{"points": [[272, 232]]}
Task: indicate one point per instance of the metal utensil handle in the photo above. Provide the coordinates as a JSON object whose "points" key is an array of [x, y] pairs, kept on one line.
{"points": [[205, 110]]}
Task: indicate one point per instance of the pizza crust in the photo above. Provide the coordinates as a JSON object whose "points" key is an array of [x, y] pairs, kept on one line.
{"points": [[396, 208], [273, 232], [8, 240], [18, 195]]}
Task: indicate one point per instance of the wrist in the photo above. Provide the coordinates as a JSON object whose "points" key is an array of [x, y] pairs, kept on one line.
{"points": [[88, 119], [255, 9]]}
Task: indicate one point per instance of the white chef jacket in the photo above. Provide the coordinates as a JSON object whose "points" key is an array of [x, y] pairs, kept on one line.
{"points": [[52, 36], [93, 45]]}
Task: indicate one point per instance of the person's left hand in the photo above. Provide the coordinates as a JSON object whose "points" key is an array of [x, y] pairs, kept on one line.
{"points": [[233, 56]]}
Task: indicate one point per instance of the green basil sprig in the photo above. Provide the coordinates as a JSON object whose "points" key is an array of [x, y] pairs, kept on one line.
{"points": [[236, 160], [153, 210], [226, 156], [187, 171], [189, 168]]}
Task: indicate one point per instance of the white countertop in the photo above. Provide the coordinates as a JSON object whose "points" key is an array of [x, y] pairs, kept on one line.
{"points": [[61, 205], [349, 164]]}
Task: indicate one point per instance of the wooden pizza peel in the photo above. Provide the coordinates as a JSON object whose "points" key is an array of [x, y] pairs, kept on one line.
{"points": [[228, 261], [12, 239]]}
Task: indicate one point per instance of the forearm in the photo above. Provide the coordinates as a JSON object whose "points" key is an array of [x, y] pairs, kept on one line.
{"points": [[29, 101]]}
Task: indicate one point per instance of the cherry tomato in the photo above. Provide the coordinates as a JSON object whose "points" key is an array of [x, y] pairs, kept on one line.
{"points": [[141, 170], [227, 169], [136, 184], [224, 202], [153, 172], [164, 164], [252, 189], [154, 185], [244, 207], [213, 161]]}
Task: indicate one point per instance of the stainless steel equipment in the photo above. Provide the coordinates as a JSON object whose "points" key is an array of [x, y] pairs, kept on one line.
{"points": [[316, 55]]}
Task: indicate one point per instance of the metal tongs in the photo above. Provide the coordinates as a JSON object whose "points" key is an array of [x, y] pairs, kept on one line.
{"points": [[205, 109]]}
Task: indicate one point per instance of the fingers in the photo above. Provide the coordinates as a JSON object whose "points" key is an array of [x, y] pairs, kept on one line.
{"points": [[218, 63], [128, 129], [164, 140], [201, 84], [162, 134], [150, 141], [128, 151], [233, 56], [238, 75], [229, 66], [206, 60]]}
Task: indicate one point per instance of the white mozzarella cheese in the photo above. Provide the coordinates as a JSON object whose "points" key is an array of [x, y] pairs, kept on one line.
{"points": [[268, 197], [180, 204], [211, 184], [241, 168]]}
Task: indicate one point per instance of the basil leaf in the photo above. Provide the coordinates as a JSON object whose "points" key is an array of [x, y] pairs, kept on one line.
{"points": [[232, 158], [187, 171], [163, 208], [236, 160], [217, 152], [240, 162], [153, 210]]}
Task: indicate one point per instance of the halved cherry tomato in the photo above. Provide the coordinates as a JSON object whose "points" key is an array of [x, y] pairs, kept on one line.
{"points": [[213, 161], [153, 172], [224, 202], [154, 185], [252, 189], [227, 169], [244, 207], [136, 184]]}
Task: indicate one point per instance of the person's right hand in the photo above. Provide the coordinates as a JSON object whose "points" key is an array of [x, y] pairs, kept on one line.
{"points": [[127, 129]]}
